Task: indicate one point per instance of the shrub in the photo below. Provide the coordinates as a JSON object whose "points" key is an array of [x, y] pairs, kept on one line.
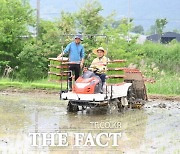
{"points": [[33, 63]]}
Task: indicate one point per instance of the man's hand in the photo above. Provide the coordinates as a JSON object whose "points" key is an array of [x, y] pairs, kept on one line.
{"points": [[59, 56], [81, 64]]}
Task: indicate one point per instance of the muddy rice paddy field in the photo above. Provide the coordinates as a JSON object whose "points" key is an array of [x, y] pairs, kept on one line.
{"points": [[153, 129]]}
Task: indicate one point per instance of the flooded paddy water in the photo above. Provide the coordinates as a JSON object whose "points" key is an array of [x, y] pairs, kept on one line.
{"points": [[153, 129]]}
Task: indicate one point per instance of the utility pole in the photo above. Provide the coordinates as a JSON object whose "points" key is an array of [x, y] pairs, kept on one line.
{"points": [[23, 2], [128, 19], [38, 18]]}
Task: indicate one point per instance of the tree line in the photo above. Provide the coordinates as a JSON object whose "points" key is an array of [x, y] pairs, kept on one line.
{"points": [[24, 56]]}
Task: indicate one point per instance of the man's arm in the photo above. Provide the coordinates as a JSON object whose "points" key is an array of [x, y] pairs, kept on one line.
{"points": [[82, 57], [94, 62], [65, 50]]}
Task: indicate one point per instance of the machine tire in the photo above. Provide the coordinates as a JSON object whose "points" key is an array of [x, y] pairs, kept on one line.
{"points": [[130, 97], [120, 106], [71, 107], [113, 106]]}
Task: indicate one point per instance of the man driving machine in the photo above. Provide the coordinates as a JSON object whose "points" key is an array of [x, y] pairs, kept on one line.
{"points": [[100, 63]]}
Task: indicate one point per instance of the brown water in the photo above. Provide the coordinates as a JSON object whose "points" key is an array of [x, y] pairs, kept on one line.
{"points": [[153, 129]]}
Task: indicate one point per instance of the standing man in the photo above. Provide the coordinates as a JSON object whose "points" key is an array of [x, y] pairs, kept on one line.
{"points": [[76, 56]]}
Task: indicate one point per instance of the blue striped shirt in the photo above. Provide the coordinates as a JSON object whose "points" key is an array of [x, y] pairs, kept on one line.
{"points": [[76, 52]]}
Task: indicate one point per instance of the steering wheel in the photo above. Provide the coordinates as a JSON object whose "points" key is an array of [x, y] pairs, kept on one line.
{"points": [[93, 69]]}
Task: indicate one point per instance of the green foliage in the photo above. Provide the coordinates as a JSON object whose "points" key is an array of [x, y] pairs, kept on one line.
{"points": [[167, 85], [165, 57], [160, 24], [152, 30], [33, 62], [114, 80], [66, 24], [118, 45], [49, 38], [89, 21], [14, 20], [138, 29]]}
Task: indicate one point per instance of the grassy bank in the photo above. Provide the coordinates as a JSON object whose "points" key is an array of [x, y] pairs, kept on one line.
{"points": [[167, 85], [40, 84]]}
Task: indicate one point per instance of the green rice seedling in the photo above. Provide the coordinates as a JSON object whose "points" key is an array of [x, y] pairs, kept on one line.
{"points": [[114, 80], [115, 72]]}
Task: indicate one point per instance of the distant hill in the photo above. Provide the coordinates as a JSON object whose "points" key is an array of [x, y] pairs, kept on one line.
{"points": [[144, 12]]}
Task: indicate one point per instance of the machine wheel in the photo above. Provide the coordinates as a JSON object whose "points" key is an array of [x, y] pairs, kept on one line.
{"points": [[120, 106], [71, 107], [113, 106], [130, 97]]}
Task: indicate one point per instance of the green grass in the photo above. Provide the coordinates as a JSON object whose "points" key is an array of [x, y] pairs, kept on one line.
{"points": [[167, 85], [116, 65], [39, 84], [115, 72]]}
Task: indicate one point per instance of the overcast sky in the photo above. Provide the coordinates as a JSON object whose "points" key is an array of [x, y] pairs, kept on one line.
{"points": [[144, 12]]}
